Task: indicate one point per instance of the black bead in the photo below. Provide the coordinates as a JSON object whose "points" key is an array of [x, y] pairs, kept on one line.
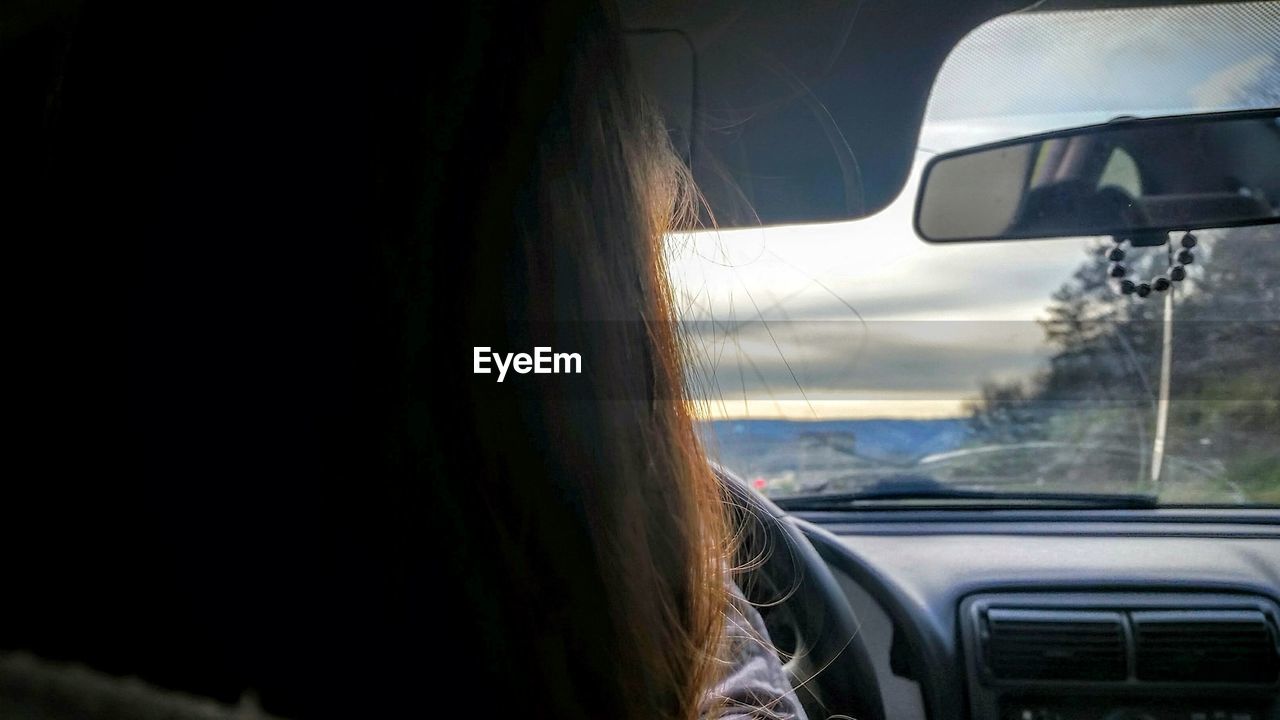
{"points": [[1185, 257], [1188, 241], [1177, 273], [1117, 271], [1116, 254], [1160, 284], [1127, 287], [1143, 289]]}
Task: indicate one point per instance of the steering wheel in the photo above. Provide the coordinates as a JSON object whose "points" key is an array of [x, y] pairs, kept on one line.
{"points": [[806, 612]]}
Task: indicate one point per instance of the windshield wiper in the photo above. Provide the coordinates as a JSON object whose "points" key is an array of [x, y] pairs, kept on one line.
{"points": [[922, 490]]}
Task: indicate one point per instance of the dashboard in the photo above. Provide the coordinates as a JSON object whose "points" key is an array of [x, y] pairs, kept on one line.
{"points": [[1064, 615]]}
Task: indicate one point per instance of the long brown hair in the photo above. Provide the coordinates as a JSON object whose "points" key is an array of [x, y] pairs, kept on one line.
{"points": [[644, 527], [308, 217]]}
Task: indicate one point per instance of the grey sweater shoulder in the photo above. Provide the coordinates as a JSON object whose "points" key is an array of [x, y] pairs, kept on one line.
{"points": [[755, 685]]}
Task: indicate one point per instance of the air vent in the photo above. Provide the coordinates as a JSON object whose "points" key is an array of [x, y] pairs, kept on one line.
{"points": [[1205, 646], [1054, 645]]}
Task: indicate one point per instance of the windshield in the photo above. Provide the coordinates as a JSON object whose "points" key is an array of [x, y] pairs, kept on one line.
{"points": [[854, 357]]}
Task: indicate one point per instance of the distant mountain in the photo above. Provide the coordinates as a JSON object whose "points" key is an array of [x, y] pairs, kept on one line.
{"points": [[902, 440], [827, 448]]}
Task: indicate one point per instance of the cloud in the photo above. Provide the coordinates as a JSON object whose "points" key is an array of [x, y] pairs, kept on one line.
{"points": [[1233, 85], [1142, 61], [880, 360], [863, 316]]}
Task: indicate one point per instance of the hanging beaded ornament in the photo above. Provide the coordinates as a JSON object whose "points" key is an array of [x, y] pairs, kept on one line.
{"points": [[1160, 283]]}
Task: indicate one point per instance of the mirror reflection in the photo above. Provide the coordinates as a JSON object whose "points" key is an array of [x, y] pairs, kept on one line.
{"points": [[1117, 179]]}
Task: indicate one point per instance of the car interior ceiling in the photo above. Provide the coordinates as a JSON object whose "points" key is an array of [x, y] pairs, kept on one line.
{"points": [[795, 123]]}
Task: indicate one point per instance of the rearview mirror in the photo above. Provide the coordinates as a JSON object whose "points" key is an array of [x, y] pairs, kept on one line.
{"points": [[1123, 179]]}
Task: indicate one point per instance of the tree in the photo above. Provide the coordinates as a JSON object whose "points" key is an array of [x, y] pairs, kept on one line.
{"points": [[1101, 384]]}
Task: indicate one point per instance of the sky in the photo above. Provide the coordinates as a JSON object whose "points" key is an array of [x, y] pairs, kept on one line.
{"points": [[863, 319]]}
